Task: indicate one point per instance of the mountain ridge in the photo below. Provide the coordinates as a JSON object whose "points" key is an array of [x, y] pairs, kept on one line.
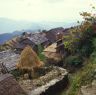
{"points": [[10, 28]]}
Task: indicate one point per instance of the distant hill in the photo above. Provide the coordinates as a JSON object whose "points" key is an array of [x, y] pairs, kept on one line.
{"points": [[5, 37], [10, 28], [8, 25]]}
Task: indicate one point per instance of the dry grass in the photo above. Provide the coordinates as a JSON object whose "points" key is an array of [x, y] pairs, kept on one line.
{"points": [[29, 59]]}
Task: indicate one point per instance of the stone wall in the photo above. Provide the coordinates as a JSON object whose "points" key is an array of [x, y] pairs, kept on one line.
{"points": [[57, 88], [54, 86]]}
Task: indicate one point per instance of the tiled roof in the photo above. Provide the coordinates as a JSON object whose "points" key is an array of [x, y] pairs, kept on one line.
{"points": [[57, 30], [52, 34], [9, 59], [20, 46], [37, 38], [9, 86]]}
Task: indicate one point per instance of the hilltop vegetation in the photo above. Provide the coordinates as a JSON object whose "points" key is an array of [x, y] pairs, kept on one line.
{"points": [[82, 51]]}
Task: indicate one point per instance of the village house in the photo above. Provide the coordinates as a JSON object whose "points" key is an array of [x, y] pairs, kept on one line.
{"points": [[40, 38], [9, 86], [55, 52], [52, 34], [8, 61], [33, 40]]}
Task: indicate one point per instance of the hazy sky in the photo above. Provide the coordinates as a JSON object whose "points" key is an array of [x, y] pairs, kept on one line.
{"points": [[44, 10]]}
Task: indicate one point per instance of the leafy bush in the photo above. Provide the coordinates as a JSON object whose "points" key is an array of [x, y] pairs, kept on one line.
{"points": [[40, 55], [94, 43], [86, 50], [74, 60], [85, 47], [83, 77], [16, 73], [93, 57]]}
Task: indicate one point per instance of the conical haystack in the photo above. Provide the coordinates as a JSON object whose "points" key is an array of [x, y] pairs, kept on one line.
{"points": [[29, 59]]}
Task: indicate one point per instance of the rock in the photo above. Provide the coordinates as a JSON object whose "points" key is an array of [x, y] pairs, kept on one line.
{"points": [[26, 76], [94, 83], [89, 89]]}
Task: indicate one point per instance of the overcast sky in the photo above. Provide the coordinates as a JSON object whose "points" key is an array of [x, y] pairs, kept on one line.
{"points": [[44, 10]]}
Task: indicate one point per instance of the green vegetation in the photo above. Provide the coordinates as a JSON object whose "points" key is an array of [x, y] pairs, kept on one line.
{"points": [[93, 55], [82, 53], [16, 73], [74, 60], [70, 40], [82, 77], [85, 47], [40, 55]]}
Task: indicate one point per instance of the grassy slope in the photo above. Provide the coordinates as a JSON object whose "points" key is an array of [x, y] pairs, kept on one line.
{"points": [[82, 77]]}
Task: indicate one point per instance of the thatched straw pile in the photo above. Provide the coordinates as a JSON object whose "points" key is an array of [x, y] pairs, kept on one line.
{"points": [[29, 59]]}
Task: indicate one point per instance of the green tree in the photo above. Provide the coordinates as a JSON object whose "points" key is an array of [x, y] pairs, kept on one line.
{"points": [[70, 40], [40, 55], [85, 46]]}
